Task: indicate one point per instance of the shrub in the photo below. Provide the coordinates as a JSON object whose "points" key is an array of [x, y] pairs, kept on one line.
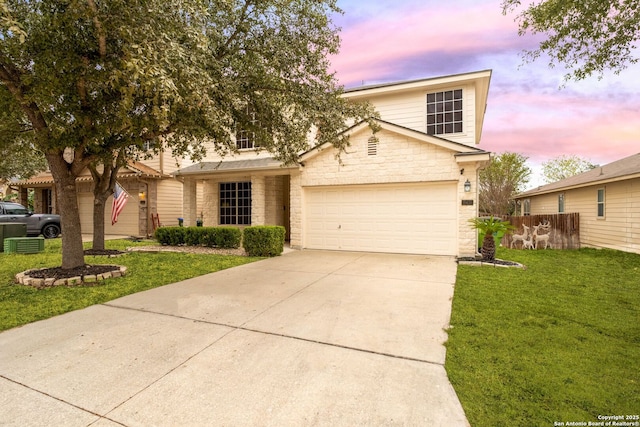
{"points": [[228, 237], [193, 236], [215, 237], [221, 237], [172, 236], [263, 240]]}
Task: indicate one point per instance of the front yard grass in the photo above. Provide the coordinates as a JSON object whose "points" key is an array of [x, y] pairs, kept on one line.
{"points": [[557, 342], [22, 304]]}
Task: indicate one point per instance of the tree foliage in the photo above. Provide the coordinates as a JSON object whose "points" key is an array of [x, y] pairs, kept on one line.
{"points": [[488, 227], [19, 158], [101, 78], [565, 166], [506, 176], [587, 37]]}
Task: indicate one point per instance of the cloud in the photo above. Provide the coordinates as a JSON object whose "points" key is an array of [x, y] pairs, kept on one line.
{"points": [[419, 40], [527, 112]]}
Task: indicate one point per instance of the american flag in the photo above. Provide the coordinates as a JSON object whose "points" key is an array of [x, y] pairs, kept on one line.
{"points": [[120, 197]]}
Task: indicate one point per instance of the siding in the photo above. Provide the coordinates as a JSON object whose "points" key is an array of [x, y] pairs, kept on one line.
{"points": [[410, 111], [620, 227], [546, 204], [169, 201], [127, 220]]}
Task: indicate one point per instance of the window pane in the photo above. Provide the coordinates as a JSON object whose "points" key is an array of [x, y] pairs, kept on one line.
{"points": [[449, 102]]}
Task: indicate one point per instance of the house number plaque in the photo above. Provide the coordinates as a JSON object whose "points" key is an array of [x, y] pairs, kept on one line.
{"points": [[467, 202]]}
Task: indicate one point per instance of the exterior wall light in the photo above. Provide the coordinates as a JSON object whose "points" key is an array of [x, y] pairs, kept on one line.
{"points": [[142, 196], [467, 186]]}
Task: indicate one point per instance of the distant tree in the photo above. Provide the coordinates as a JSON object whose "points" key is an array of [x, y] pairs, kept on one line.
{"points": [[565, 166], [587, 37], [95, 80], [506, 176]]}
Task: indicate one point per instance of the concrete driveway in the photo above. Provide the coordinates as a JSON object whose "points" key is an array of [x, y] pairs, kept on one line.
{"points": [[307, 338]]}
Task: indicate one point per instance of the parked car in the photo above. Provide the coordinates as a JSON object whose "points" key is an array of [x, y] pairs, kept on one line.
{"points": [[46, 224]]}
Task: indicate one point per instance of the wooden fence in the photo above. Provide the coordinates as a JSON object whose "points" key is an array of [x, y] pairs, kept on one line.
{"points": [[564, 232]]}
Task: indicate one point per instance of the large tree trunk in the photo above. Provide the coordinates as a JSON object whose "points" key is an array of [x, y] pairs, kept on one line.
{"points": [[103, 187], [67, 197]]}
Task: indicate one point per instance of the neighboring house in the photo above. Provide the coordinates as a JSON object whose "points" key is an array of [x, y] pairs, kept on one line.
{"points": [[607, 199], [152, 191], [403, 191]]}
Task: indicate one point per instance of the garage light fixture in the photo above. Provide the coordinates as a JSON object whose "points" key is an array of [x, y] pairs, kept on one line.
{"points": [[467, 186]]}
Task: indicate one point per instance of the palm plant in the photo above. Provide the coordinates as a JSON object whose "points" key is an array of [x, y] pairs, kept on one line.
{"points": [[490, 226]]}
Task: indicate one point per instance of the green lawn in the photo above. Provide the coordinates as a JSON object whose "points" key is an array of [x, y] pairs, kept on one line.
{"points": [[557, 342], [22, 304]]}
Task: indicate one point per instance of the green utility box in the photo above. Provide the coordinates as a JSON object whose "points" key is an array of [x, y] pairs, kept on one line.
{"points": [[11, 229], [24, 245]]}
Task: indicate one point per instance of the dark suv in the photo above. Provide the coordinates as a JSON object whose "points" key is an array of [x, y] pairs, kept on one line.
{"points": [[46, 224]]}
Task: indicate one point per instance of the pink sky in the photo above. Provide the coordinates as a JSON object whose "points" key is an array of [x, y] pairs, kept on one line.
{"points": [[527, 112]]}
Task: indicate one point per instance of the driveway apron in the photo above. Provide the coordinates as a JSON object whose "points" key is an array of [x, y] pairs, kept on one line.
{"points": [[307, 338]]}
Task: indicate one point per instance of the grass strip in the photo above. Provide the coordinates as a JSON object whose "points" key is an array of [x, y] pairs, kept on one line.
{"points": [[557, 342]]}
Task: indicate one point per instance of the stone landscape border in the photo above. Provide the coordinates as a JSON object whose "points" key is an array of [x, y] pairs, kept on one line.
{"points": [[89, 280], [497, 263]]}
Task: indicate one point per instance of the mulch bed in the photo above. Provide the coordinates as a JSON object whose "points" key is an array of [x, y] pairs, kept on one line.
{"points": [[60, 273]]}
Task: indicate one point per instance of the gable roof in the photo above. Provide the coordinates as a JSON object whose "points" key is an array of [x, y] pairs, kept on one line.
{"points": [[479, 79], [133, 169], [623, 169], [461, 149]]}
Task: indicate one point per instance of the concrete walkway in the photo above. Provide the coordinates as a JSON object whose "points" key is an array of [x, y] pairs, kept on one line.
{"points": [[307, 338]]}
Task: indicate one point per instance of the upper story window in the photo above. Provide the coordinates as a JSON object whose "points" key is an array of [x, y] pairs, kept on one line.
{"points": [[444, 112], [601, 203], [246, 138], [561, 203]]}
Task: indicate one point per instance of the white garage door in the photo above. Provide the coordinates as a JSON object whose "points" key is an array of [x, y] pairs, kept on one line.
{"points": [[398, 218]]}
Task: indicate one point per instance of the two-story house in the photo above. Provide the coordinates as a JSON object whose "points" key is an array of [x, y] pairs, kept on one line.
{"points": [[410, 189]]}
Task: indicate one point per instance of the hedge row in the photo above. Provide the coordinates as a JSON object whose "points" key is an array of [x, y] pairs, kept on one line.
{"points": [[257, 240]]}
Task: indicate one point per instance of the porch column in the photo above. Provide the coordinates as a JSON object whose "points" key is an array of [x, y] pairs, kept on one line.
{"points": [[295, 211], [210, 203], [258, 194], [189, 202]]}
